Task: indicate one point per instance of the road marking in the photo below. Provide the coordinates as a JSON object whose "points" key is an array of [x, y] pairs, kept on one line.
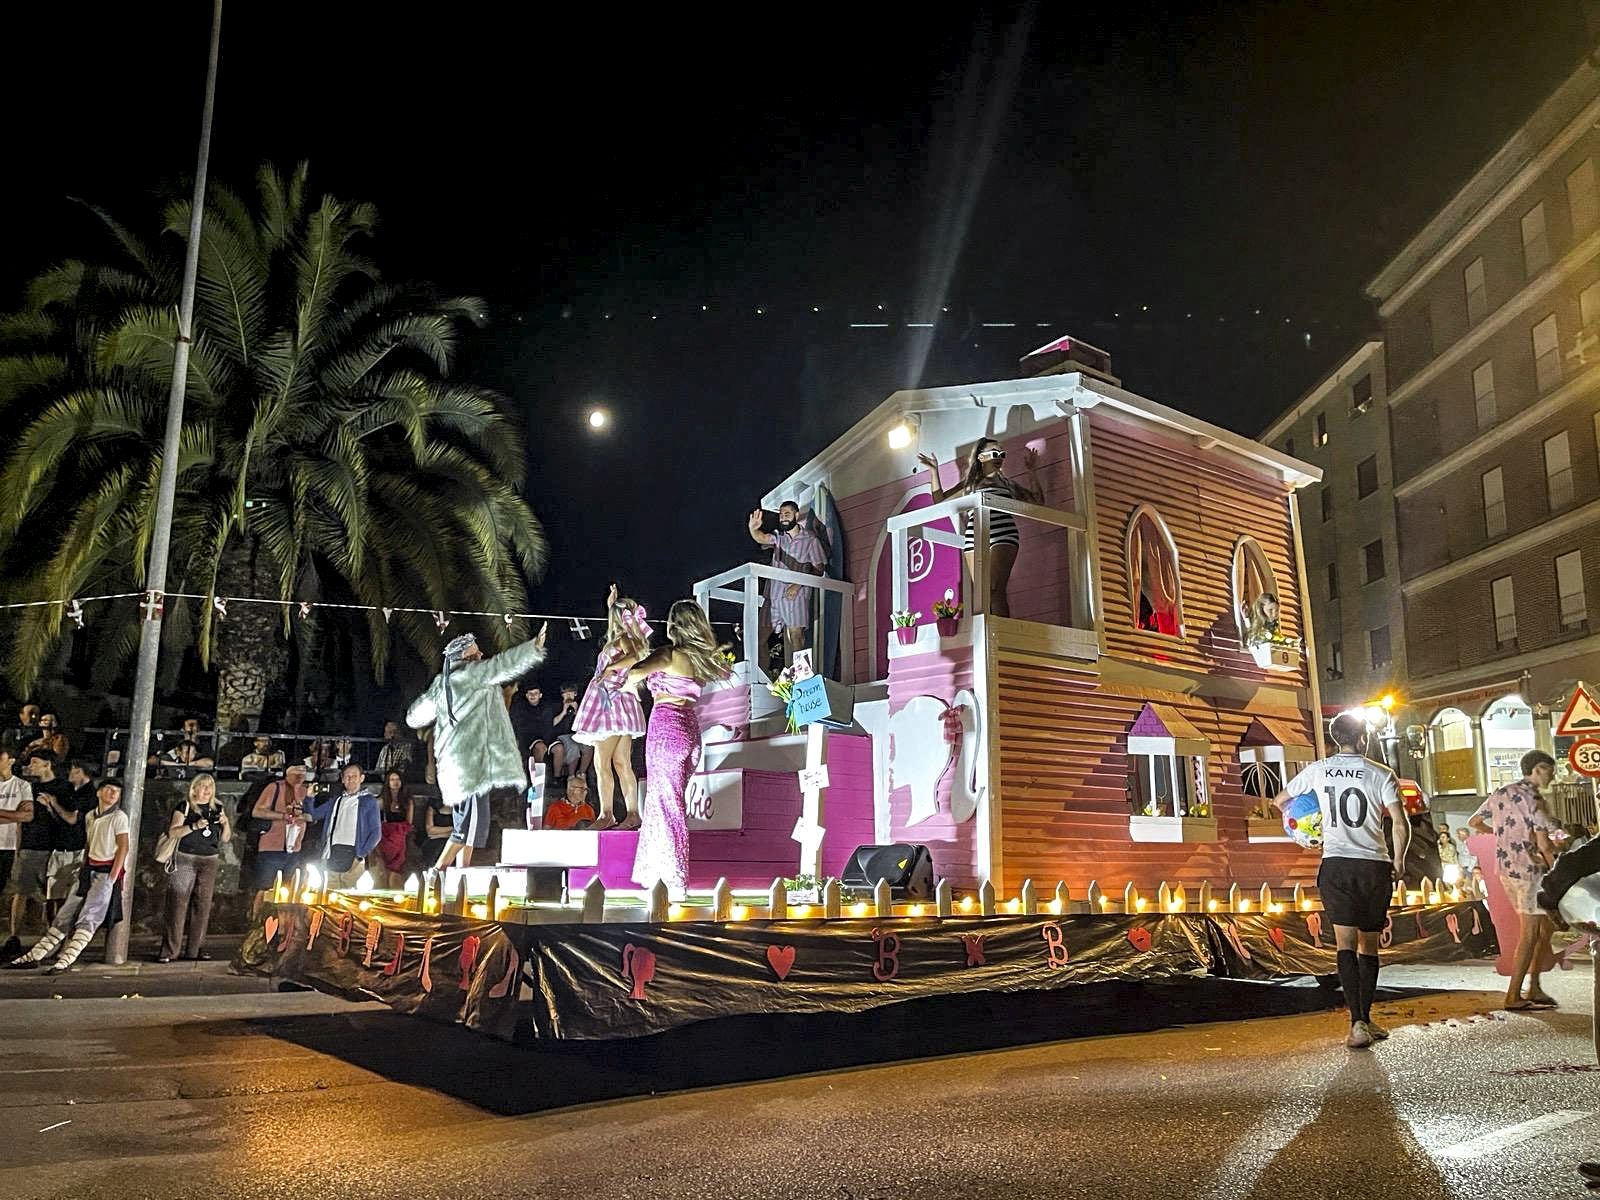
{"points": [[173, 1064], [57, 1125], [1512, 1134]]}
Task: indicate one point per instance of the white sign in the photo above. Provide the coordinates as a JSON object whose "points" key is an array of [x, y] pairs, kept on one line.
{"points": [[1585, 757], [814, 779], [802, 665], [1582, 715]]}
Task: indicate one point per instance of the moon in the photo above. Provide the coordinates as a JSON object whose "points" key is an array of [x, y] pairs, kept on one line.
{"points": [[598, 418]]}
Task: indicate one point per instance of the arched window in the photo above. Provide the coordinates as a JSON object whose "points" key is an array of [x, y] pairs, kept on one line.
{"points": [[1507, 727], [1255, 593], [1154, 589]]}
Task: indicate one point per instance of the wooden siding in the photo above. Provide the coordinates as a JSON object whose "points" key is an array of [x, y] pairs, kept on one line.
{"points": [[1207, 504], [1063, 736]]}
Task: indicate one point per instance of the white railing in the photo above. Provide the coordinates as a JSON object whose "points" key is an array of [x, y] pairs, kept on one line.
{"points": [[741, 585], [975, 576]]}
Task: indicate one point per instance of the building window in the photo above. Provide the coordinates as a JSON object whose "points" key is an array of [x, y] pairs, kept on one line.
{"points": [[1361, 395], [1483, 393], [1535, 241], [1320, 437], [1378, 647], [1366, 476], [1573, 606], [1335, 660], [1450, 747], [1582, 200], [1546, 354], [1327, 501], [1166, 770], [1477, 292], [1589, 307], [1271, 753], [1154, 587], [1255, 593], [1558, 471], [1288, 447], [1494, 503], [1372, 554], [1333, 581], [1504, 597]]}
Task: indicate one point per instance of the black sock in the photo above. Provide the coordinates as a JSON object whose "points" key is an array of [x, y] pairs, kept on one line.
{"points": [[1368, 964], [1350, 982]]}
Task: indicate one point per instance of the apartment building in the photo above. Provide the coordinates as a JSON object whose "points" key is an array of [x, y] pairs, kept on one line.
{"points": [[1347, 525], [1491, 319]]}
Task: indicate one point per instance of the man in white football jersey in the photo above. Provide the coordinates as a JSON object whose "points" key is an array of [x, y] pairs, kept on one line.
{"points": [[1359, 868]]}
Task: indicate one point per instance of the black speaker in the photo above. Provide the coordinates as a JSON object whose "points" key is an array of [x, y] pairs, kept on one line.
{"points": [[907, 868]]}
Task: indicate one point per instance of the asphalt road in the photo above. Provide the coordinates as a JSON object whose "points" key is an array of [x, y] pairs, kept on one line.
{"points": [[1055, 1095]]}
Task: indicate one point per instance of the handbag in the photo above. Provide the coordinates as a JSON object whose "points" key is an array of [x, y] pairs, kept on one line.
{"points": [[167, 848]]}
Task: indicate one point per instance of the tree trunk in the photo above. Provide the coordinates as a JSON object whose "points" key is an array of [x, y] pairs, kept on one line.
{"points": [[251, 653]]}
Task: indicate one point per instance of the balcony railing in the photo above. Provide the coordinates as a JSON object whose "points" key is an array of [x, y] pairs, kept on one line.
{"points": [[741, 585], [1082, 593]]}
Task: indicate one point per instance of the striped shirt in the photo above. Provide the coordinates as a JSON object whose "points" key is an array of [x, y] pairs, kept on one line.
{"points": [[1002, 525]]}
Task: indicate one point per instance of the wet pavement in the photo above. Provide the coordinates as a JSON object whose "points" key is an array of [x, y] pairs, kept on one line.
{"points": [[1049, 1095]]}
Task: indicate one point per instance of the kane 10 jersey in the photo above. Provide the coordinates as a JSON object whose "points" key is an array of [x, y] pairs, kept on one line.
{"points": [[1353, 793]]}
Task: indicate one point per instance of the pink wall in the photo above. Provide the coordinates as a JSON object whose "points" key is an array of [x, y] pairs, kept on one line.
{"points": [[1039, 585], [952, 844]]}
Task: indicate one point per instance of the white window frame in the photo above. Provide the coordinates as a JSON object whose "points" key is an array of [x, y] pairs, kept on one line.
{"points": [[1589, 306], [1535, 240], [1171, 543], [1546, 353], [1188, 760], [1477, 291], [1287, 761], [1494, 502], [1572, 605], [1558, 470], [1483, 401], [1503, 602], [1583, 200]]}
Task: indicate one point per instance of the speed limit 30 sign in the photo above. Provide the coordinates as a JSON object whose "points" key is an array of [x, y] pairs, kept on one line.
{"points": [[1585, 757]]}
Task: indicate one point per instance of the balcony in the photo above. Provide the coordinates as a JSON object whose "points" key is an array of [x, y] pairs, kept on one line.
{"points": [[741, 586], [1052, 589]]}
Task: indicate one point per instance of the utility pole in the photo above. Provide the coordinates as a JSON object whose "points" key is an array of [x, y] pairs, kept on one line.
{"points": [[144, 687]]}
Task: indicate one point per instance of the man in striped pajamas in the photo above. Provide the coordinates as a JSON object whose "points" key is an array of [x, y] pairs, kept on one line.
{"points": [[795, 547]]}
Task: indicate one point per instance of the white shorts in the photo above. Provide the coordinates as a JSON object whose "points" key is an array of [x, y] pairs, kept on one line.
{"points": [[1523, 894]]}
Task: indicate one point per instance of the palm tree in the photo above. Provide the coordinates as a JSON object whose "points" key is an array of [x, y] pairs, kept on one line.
{"points": [[324, 446]]}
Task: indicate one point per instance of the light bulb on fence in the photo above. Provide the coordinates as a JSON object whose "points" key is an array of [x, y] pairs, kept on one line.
{"points": [[364, 882]]}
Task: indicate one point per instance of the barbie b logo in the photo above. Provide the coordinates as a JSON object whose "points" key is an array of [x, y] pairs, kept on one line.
{"points": [[919, 560]]}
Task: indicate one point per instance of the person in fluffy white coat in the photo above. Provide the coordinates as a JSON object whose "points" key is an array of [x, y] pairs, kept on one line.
{"points": [[474, 746]]}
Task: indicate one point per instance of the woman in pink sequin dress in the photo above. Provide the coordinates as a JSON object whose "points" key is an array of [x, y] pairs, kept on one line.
{"points": [[675, 674], [610, 715]]}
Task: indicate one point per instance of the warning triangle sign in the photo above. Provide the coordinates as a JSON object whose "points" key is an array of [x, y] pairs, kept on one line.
{"points": [[1582, 715]]}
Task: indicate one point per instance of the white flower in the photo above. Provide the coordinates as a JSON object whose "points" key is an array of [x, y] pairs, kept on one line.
{"points": [[949, 593]]}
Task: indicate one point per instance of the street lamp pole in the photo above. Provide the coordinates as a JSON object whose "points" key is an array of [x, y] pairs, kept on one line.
{"points": [[144, 688]]}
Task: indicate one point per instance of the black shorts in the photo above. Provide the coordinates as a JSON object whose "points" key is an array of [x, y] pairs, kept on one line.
{"points": [[7, 857], [1356, 892]]}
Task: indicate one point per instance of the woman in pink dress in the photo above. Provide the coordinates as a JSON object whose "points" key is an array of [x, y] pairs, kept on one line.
{"points": [[675, 673], [610, 716]]}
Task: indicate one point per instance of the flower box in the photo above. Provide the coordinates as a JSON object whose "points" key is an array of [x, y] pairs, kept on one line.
{"points": [[1268, 829], [1172, 829], [1282, 657]]}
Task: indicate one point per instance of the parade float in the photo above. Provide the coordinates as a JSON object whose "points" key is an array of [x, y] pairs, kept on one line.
{"points": [[1090, 775]]}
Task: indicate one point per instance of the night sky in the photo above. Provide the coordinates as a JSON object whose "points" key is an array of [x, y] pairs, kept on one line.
{"points": [[1058, 170]]}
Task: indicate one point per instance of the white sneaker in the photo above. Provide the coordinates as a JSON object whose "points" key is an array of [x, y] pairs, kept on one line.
{"points": [[1378, 1032], [1360, 1036]]}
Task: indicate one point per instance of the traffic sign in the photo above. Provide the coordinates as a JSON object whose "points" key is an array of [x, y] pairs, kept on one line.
{"points": [[1585, 757], [1582, 715]]}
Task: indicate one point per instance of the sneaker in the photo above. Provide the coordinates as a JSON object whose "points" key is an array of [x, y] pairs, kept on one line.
{"points": [[1590, 1171], [1378, 1032], [1360, 1038], [12, 949]]}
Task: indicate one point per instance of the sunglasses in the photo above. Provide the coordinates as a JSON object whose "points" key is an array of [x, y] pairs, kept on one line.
{"points": [[989, 455]]}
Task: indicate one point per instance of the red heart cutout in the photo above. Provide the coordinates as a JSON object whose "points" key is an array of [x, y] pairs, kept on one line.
{"points": [[270, 928], [1139, 938], [1277, 937], [781, 959]]}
